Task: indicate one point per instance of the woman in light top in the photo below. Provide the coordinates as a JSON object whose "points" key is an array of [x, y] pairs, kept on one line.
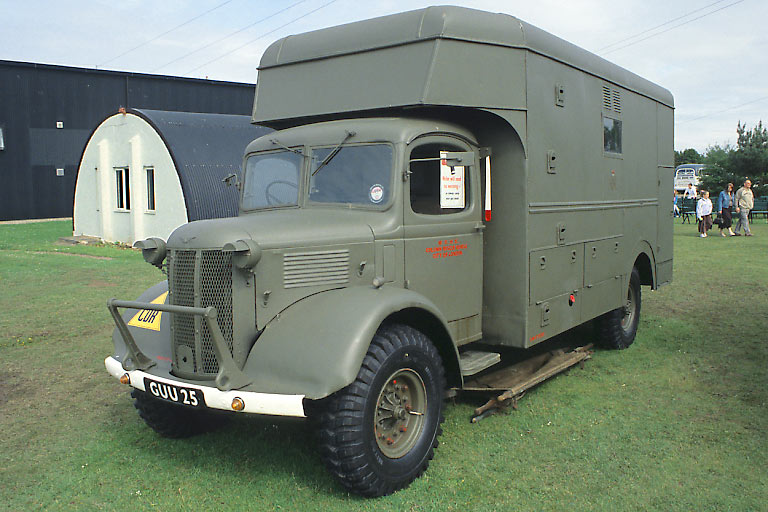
{"points": [[704, 213]]}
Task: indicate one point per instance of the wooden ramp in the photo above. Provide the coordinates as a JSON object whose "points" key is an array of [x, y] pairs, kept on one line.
{"points": [[513, 381]]}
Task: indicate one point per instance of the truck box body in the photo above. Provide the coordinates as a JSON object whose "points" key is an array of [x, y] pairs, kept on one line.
{"points": [[571, 209]]}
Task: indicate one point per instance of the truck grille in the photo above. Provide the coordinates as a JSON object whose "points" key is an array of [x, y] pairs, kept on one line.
{"points": [[200, 279]]}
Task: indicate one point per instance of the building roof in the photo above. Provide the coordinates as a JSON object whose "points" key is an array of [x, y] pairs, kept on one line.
{"points": [[205, 148], [453, 23], [113, 72]]}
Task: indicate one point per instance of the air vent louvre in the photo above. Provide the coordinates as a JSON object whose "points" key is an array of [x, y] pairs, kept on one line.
{"points": [[606, 97], [315, 268], [611, 99], [616, 101]]}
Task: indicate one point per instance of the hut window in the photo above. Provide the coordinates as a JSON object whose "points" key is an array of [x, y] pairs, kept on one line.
{"points": [[150, 189], [123, 189]]}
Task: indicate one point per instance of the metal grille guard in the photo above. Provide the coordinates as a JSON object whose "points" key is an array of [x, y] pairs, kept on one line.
{"points": [[229, 376]]}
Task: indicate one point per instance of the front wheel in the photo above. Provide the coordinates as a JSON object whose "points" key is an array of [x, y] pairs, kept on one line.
{"points": [[617, 329], [379, 433], [174, 421]]}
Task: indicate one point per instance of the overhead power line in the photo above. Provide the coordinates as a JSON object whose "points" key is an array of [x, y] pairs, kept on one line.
{"points": [[724, 110], [659, 26], [674, 27], [228, 36], [261, 36], [165, 33]]}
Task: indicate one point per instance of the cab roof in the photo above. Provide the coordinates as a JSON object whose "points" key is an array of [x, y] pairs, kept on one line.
{"points": [[375, 129]]}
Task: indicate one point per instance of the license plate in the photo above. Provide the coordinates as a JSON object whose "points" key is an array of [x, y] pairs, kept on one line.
{"points": [[176, 394]]}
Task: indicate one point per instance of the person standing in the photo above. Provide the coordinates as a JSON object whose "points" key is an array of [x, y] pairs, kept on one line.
{"points": [[704, 213], [690, 192], [724, 208], [744, 201], [675, 208]]}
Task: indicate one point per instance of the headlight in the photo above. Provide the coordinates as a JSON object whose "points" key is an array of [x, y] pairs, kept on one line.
{"points": [[247, 253], [153, 250]]}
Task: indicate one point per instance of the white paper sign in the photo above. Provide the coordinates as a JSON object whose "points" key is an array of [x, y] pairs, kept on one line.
{"points": [[451, 185]]}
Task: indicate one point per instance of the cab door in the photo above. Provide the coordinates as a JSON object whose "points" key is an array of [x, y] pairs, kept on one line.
{"points": [[443, 236]]}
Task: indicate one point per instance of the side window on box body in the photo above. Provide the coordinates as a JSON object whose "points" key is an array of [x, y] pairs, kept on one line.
{"points": [[436, 188], [611, 135]]}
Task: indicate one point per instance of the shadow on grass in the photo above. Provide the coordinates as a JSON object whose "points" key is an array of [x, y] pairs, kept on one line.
{"points": [[247, 451]]}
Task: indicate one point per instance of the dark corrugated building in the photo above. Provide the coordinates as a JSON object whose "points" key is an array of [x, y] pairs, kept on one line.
{"points": [[205, 149], [48, 112]]}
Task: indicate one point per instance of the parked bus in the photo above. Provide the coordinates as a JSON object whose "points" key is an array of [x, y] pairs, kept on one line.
{"points": [[688, 173]]}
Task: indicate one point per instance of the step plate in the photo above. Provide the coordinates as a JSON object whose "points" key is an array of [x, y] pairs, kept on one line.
{"points": [[474, 361]]}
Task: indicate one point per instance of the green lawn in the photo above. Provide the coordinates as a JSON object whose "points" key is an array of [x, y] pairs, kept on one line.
{"points": [[676, 422]]}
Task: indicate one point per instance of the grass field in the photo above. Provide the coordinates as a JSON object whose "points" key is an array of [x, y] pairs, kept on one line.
{"points": [[676, 422]]}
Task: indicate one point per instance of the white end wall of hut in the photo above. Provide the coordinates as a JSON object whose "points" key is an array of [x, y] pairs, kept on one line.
{"points": [[127, 141]]}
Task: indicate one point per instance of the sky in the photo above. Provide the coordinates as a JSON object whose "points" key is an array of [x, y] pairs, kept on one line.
{"points": [[712, 55]]}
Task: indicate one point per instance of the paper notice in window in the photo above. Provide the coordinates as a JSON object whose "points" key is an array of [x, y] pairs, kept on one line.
{"points": [[451, 185]]}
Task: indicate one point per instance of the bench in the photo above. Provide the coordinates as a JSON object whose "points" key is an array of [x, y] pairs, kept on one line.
{"points": [[687, 210], [761, 208]]}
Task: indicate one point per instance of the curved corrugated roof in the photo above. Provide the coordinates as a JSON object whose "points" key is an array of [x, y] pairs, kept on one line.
{"points": [[205, 148]]}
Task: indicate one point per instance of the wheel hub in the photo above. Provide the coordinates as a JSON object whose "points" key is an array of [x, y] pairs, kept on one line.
{"points": [[399, 416], [629, 311]]}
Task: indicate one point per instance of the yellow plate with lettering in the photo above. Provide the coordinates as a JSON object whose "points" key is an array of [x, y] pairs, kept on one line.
{"points": [[148, 319]]}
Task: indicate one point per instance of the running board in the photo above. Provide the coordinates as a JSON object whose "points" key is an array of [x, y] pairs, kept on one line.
{"points": [[474, 361]]}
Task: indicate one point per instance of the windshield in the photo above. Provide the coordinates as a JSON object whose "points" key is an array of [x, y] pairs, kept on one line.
{"points": [[356, 175], [272, 179]]}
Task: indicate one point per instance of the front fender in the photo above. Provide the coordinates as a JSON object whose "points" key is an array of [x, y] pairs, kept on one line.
{"points": [[154, 344], [316, 346]]}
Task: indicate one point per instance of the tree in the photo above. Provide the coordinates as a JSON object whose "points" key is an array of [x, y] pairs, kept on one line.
{"points": [[718, 173], [688, 156], [749, 159]]}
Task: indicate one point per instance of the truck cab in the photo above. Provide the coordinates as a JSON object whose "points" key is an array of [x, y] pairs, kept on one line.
{"points": [[387, 179]]}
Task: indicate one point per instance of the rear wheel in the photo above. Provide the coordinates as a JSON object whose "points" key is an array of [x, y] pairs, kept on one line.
{"points": [[379, 433], [174, 421], [617, 329]]}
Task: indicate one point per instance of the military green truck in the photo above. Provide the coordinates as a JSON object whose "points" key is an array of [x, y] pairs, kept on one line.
{"points": [[439, 180]]}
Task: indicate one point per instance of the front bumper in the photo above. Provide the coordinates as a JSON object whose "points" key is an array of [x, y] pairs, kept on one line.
{"points": [[255, 403]]}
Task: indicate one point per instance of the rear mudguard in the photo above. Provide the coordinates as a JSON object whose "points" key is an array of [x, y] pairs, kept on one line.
{"points": [[316, 346]]}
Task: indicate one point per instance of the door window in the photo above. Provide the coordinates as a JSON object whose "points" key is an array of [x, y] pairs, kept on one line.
{"points": [[436, 188]]}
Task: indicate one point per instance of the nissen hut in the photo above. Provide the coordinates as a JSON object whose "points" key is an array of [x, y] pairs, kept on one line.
{"points": [[145, 172]]}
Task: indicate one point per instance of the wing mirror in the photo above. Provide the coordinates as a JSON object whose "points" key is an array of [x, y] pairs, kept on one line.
{"points": [[457, 158], [232, 179]]}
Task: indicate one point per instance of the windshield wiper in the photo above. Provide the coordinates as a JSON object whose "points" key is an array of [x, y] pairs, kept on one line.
{"points": [[334, 152], [292, 150]]}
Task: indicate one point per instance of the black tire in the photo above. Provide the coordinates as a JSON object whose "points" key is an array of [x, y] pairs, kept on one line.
{"points": [[371, 438], [617, 329], [174, 421]]}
